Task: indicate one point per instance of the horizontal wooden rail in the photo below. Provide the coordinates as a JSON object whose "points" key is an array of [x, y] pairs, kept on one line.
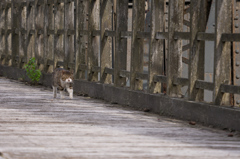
{"points": [[181, 81], [160, 78], [204, 85], [206, 36], [230, 89], [161, 35], [231, 37], [182, 35], [108, 71], [143, 34], [124, 73], [110, 33], [141, 76], [126, 34]]}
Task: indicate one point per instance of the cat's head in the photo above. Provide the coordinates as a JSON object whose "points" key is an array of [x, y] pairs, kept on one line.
{"points": [[67, 76]]}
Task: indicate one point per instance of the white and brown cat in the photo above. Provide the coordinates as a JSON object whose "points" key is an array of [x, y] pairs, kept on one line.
{"points": [[63, 80]]}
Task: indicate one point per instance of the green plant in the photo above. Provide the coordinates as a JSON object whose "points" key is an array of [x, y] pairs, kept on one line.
{"points": [[32, 72]]}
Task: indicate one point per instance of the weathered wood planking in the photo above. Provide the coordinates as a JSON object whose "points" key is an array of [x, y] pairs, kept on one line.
{"points": [[33, 125]]}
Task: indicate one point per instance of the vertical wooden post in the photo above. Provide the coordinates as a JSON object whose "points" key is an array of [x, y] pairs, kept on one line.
{"points": [[222, 53], [156, 48], [49, 36], [82, 23], [69, 35], [59, 48], [2, 15], [2, 35], [106, 41], [8, 33], [93, 40], [198, 22], [174, 63], [23, 35], [30, 29], [15, 33], [137, 44], [39, 32], [120, 58]]}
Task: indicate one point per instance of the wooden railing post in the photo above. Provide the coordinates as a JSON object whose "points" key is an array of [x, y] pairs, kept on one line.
{"points": [[15, 33], [30, 30], [222, 52], [59, 48], [2, 35], [198, 21], [93, 39], [22, 34], [174, 60], [82, 39], [156, 48], [69, 58], [120, 59], [137, 44], [49, 36], [39, 32], [106, 41]]}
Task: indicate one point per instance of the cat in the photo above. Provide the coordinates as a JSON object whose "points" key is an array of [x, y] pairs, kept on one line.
{"points": [[63, 80]]}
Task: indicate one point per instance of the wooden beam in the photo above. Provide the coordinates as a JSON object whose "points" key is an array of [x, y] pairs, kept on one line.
{"points": [[222, 51], [198, 20], [120, 58], [137, 44], [156, 47], [174, 63]]}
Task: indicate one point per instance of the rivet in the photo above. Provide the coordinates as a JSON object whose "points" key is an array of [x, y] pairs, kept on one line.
{"points": [[236, 26], [236, 18], [237, 51], [213, 24], [237, 63], [237, 76]]}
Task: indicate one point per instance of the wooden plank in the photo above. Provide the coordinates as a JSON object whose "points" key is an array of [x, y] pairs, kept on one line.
{"points": [[93, 41], [120, 58], [160, 78], [230, 89], [137, 44], [49, 36], [126, 34], [161, 35], [200, 84], [174, 64], [15, 36], [141, 76], [205, 36], [230, 37], [156, 49], [181, 81], [198, 20], [106, 50], [59, 37], [181, 35], [69, 34], [222, 51], [81, 46]]}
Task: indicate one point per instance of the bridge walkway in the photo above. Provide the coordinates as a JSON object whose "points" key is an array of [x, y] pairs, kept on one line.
{"points": [[34, 125]]}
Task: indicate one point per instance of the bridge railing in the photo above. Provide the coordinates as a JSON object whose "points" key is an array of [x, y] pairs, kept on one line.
{"points": [[92, 38]]}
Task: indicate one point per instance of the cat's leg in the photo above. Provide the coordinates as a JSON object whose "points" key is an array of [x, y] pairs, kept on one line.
{"points": [[61, 92], [70, 91], [54, 92]]}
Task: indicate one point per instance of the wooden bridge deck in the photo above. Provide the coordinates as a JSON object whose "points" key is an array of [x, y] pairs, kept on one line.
{"points": [[33, 125]]}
